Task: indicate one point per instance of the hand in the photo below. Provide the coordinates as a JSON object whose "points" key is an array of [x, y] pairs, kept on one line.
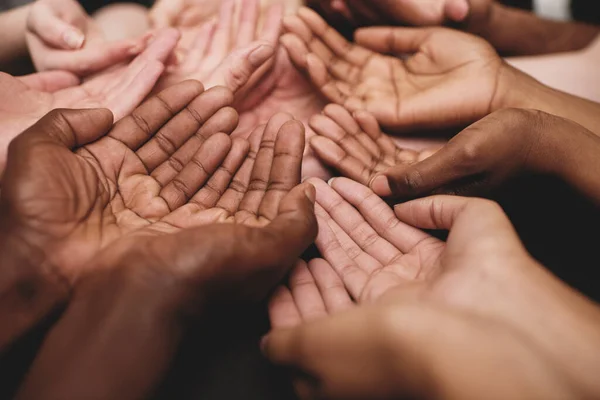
{"points": [[167, 13], [128, 316], [119, 90], [416, 93], [355, 146], [229, 52], [284, 89], [130, 179], [487, 295], [61, 36]]}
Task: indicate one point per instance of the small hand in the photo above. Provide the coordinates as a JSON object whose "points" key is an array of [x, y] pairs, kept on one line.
{"points": [[120, 90], [417, 92], [354, 145], [228, 52], [61, 36]]}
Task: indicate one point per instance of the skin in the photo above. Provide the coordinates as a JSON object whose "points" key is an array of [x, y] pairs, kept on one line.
{"points": [[175, 278], [419, 91], [491, 151], [166, 168], [12, 27], [494, 304], [510, 30], [355, 146], [61, 36], [231, 51], [24, 101]]}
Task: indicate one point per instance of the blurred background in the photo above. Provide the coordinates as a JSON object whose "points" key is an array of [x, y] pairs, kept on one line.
{"points": [[581, 10]]}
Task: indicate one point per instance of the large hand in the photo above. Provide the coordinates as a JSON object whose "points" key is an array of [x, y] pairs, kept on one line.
{"points": [[355, 146], [230, 52], [119, 90], [487, 295], [72, 189], [127, 318], [420, 91], [61, 36]]}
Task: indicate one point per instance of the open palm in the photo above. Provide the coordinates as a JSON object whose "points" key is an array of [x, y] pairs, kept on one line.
{"points": [[86, 187], [447, 78]]}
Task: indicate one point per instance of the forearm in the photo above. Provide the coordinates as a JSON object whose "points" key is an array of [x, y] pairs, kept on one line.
{"points": [[111, 343], [13, 25], [518, 90], [573, 154], [29, 289], [516, 32], [582, 66]]}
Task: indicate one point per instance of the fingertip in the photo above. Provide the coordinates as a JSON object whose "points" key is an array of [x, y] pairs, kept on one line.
{"points": [[311, 192], [260, 54], [381, 186], [73, 38], [457, 10]]}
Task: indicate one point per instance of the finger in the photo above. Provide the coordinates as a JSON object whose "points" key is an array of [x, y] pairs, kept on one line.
{"points": [[49, 81], [44, 23], [306, 294], [239, 66], [379, 216], [208, 196], [248, 22], [457, 10], [146, 120], [385, 145], [283, 312], [164, 13], [367, 247], [334, 156], [68, 128], [439, 170], [94, 57], [272, 24], [338, 125], [336, 91], [286, 167], [187, 133], [260, 178], [221, 43], [331, 287], [392, 40], [443, 212], [200, 47], [231, 199], [196, 173]]}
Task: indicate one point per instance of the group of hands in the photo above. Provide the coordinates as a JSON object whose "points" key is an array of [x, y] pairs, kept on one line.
{"points": [[137, 219]]}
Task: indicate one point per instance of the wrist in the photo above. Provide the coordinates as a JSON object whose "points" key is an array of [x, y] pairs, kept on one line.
{"points": [[29, 286]]}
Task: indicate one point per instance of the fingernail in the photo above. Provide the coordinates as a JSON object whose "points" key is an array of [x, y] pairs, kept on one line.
{"points": [[381, 185], [263, 343], [135, 49], [74, 39], [310, 192], [330, 181], [260, 55]]}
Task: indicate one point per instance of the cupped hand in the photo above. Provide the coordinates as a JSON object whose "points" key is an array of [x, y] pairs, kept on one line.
{"points": [[23, 101], [128, 316], [490, 299], [61, 36], [231, 51], [447, 78], [354, 145], [74, 183], [502, 145]]}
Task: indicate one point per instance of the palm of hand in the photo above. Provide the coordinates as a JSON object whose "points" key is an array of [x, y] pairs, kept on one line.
{"points": [[285, 90], [371, 251], [135, 180], [417, 92]]}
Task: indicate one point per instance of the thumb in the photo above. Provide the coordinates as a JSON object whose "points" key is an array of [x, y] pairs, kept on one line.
{"points": [[235, 71], [69, 128], [43, 22], [164, 13]]}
